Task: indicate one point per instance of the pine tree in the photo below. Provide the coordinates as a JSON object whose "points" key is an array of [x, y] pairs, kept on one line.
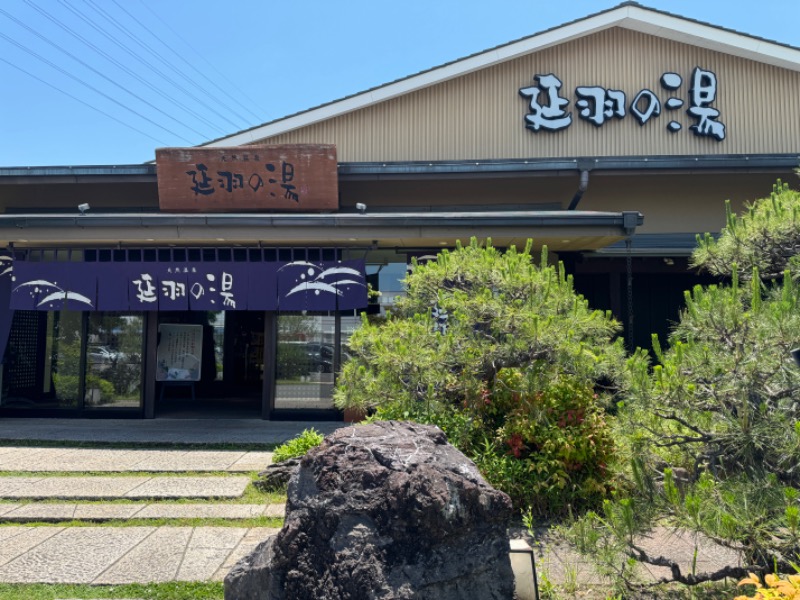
{"points": [[505, 357], [715, 423]]}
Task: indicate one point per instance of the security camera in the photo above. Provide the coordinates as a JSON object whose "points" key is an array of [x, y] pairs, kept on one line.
{"points": [[361, 207], [83, 207], [796, 356]]}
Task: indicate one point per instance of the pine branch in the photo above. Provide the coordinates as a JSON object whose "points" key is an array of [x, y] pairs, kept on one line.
{"points": [[640, 555]]}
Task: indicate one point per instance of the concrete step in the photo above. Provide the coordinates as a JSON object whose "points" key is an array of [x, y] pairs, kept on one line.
{"points": [[70, 460], [107, 488], [160, 431], [117, 555], [97, 513], [120, 555]]}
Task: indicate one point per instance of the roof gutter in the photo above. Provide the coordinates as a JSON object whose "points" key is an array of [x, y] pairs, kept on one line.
{"points": [[483, 220], [356, 170], [655, 163], [582, 186]]}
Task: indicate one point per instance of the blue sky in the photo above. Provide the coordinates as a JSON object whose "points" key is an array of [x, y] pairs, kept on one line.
{"points": [[208, 68]]}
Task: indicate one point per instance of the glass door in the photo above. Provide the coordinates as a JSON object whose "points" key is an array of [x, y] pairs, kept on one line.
{"points": [[113, 376], [305, 362]]}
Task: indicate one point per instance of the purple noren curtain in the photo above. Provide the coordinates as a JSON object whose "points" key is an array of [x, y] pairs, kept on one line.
{"points": [[211, 285], [6, 313]]}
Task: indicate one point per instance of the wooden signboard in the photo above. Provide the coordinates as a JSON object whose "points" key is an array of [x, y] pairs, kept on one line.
{"points": [[290, 178]]}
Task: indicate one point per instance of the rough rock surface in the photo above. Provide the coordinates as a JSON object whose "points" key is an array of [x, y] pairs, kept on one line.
{"points": [[276, 476], [384, 511]]}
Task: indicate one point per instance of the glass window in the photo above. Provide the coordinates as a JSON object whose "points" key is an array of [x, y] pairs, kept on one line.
{"points": [[386, 272], [114, 360], [42, 364], [349, 325], [62, 367], [305, 362], [218, 322]]}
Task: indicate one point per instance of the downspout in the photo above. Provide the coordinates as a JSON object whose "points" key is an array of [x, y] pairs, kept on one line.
{"points": [[584, 183]]}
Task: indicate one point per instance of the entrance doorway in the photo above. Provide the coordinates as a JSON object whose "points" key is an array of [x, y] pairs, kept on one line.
{"points": [[230, 382], [307, 360]]}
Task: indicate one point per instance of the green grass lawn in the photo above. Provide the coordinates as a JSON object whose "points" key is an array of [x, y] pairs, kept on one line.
{"points": [[151, 591]]}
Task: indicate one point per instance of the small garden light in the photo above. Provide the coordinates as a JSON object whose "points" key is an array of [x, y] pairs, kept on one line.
{"points": [[796, 356]]}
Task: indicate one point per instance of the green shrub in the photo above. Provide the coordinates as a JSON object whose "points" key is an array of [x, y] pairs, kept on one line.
{"points": [[549, 450], [66, 386], [309, 438], [553, 445]]}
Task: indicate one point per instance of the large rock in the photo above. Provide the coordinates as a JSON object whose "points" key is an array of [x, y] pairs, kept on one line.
{"points": [[277, 475], [384, 511]]}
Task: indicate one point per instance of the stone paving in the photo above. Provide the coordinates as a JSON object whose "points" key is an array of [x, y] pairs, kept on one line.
{"points": [[161, 431], [84, 459], [142, 554], [52, 512], [132, 554], [115, 555], [561, 563], [98, 488]]}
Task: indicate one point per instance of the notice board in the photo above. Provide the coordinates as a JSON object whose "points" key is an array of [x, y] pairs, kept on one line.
{"points": [[180, 352]]}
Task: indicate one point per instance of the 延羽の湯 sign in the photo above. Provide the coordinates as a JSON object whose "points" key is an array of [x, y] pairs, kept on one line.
{"points": [[548, 109], [290, 178]]}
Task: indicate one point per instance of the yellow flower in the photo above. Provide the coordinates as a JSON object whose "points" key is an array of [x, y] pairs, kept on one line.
{"points": [[751, 579], [771, 579], [786, 589]]}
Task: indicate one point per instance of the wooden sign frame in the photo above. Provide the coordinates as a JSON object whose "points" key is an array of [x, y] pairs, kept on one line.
{"points": [[287, 178]]}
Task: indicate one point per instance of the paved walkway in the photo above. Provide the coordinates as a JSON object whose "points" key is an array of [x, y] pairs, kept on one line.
{"points": [[130, 554], [143, 554], [129, 488], [15, 512], [562, 564], [122, 554], [160, 431], [65, 460]]}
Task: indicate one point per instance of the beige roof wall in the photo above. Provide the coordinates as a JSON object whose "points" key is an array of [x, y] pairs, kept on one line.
{"points": [[679, 203], [682, 202], [481, 115]]}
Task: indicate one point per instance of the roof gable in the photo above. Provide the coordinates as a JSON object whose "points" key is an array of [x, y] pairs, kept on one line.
{"points": [[628, 15]]}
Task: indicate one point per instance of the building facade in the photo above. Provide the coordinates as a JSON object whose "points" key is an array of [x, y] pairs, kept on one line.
{"points": [[614, 140]]}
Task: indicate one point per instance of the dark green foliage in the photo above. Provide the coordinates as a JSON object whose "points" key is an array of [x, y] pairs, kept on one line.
{"points": [[553, 444]]}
